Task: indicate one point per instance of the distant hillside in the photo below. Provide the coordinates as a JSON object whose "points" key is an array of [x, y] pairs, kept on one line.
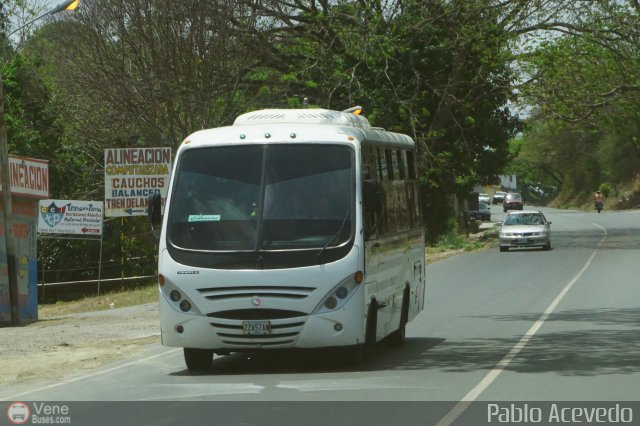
{"points": [[622, 197]]}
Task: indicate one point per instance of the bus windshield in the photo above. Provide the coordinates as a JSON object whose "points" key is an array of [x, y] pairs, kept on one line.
{"points": [[263, 198]]}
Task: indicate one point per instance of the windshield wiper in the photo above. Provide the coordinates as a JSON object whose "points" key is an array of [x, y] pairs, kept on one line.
{"points": [[336, 235]]}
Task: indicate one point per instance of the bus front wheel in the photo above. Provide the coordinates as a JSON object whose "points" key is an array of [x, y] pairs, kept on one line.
{"points": [[198, 359], [358, 353]]}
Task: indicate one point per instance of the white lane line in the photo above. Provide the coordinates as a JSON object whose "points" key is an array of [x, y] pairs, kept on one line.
{"points": [[466, 401], [86, 376], [364, 383], [186, 391]]}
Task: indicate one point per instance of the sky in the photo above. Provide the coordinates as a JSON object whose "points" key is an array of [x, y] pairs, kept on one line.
{"points": [[40, 6]]}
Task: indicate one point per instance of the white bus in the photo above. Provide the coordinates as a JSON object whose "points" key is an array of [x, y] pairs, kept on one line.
{"points": [[289, 229]]}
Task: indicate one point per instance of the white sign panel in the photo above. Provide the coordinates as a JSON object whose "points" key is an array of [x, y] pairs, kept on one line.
{"points": [[131, 175], [70, 217], [29, 177]]}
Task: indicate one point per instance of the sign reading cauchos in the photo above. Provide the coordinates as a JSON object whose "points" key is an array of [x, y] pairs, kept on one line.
{"points": [[131, 175]]}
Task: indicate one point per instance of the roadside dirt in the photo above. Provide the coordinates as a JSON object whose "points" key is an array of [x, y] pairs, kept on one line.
{"points": [[55, 347]]}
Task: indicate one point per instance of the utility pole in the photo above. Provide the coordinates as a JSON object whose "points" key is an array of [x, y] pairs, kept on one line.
{"points": [[12, 266]]}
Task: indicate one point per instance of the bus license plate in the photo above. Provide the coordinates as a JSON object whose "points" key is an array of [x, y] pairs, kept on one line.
{"points": [[256, 327]]}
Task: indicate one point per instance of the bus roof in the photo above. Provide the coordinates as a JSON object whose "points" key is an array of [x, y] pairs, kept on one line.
{"points": [[341, 120], [307, 116], [324, 117]]}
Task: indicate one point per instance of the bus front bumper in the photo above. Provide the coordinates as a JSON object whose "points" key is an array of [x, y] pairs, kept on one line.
{"points": [[342, 327]]}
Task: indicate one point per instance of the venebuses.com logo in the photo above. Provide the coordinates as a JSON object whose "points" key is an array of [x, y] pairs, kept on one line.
{"points": [[18, 413]]}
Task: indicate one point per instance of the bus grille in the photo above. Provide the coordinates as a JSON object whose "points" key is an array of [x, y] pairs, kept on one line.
{"points": [[283, 333], [286, 292], [256, 314]]}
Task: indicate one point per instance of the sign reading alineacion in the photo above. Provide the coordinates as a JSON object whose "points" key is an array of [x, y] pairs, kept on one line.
{"points": [[131, 175], [70, 217]]}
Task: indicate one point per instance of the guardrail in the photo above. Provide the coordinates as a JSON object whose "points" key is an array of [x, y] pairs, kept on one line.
{"points": [[72, 290]]}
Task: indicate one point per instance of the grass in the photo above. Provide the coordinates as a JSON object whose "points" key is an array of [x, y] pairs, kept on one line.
{"points": [[118, 299], [455, 241]]}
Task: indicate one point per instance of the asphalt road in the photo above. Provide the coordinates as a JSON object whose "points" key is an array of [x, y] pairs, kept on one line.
{"points": [[526, 325]]}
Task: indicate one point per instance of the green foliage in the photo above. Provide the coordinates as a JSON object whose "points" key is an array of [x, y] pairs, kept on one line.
{"points": [[605, 188], [115, 73], [584, 126], [453, 240]]}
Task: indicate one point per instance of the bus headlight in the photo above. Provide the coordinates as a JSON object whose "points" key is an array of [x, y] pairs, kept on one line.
{"points": [[177, 298], [338, 296], [185, 306], [342, 292], [330, 303]]}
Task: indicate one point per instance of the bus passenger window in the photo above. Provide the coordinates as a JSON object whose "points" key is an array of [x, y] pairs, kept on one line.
{"points": [[390, 208], [395, 163], [402, 210], [387, 159], [403, 164], [382, 163], [411, 165]]}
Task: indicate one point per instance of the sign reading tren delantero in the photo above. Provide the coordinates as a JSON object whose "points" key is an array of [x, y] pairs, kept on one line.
{"points": [[70, 217], [131, 175]]}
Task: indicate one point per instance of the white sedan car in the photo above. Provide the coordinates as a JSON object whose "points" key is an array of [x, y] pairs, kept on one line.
{"points": [[526, 228]]}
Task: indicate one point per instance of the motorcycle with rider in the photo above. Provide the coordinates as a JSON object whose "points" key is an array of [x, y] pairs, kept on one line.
{"points": [[598, 201]]}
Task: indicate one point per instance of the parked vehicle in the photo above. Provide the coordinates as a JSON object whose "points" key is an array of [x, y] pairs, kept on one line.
{"points": [[525, 229], [512, 201], [498, 197], [483, 212], [483, 197]]}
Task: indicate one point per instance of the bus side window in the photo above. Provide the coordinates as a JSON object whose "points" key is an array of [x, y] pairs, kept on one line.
{"points": [[403, 164], [395, 164], [389, 163], [370, 172], [368, 163], [390, 208], [382, 163], [411, 165], [402, 209]]}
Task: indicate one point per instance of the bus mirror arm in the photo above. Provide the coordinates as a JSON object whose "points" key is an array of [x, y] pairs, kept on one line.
{"points": [[154, 211]]}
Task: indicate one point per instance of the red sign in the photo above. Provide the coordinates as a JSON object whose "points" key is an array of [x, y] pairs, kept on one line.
{"points": [[29, 177]]}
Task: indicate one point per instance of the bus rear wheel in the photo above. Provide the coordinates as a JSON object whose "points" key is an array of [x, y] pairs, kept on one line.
{"points": [[198, 359]]}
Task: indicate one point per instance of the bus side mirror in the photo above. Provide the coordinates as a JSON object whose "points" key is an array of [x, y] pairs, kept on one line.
{"points": [[154, 210], [372, 195]]}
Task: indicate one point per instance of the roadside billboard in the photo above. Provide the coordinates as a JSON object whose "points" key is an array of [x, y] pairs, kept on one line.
{"points": [[70, 217], [131, 175], [29, 177]]}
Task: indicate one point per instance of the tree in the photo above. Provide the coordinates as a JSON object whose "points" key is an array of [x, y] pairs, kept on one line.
{"points": [[437, 70], [585, 85], [150, 72]]}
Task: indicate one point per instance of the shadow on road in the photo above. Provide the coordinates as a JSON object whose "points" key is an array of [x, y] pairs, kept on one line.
{"points": [[584, 352], [382, 357]]}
